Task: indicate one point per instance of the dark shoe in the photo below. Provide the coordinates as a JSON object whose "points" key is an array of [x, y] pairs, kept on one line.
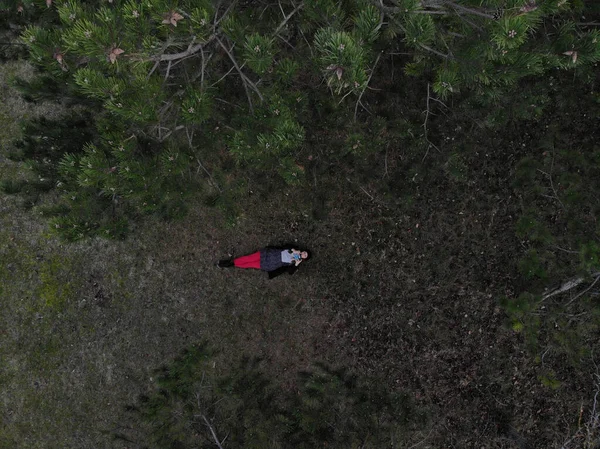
{"points": [[226, 263]]}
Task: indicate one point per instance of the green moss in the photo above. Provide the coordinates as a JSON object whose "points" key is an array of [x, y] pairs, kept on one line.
{"points": [[456, 167], [55, 290], [549, 380]]}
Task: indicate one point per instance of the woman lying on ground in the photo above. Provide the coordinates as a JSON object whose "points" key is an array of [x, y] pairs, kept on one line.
{"points": [[274, 260]]}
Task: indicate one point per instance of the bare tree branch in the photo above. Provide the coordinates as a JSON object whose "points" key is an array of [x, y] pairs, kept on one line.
{"points": [[427, 113], [212, 431], [422, 11], [456, 7], [177, 128], [385, 9], [442, 7], [287, 18], [365, 88], [435, 52], [223, 77], [190, 137], [569, 285], [154, 67], [551, 182], [245, 80], [191, 50], [168, 70], [204, 62], [584, 292]]}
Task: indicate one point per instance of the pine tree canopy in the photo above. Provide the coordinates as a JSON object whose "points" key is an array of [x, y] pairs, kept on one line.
{"points": [[175, 83]]}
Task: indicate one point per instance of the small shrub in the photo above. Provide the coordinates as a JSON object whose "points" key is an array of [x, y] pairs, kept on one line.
{"points": [[12, 187]]}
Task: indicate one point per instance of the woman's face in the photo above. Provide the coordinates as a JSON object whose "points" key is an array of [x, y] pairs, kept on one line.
{"points": [[304, 254]]}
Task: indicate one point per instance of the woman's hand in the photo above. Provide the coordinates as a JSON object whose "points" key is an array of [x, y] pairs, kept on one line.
{"points": [[296, 256]]}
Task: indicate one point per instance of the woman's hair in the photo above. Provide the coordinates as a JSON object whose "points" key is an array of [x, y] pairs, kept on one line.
{"points": [[307, 253]]}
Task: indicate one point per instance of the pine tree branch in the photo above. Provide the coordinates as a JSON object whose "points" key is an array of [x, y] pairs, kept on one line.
{"points": [[171, 131], [201, 72], [223, 77], [385, 9], [437, 4], [229, 8], [202, 68], [245, 80], [365, 88], [154, 67], [552, 183], [435, 52], [569, 285], [584, 292], [191, 50], [287, 18], [242, 76], [427, 113], [190, 137], [569, 251], [564, 288], [168, 70], [287, 42], [312, 55], [430, 13]]}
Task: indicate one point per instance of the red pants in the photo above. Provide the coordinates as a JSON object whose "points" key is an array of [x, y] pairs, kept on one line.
{"points": [[249, 261]]}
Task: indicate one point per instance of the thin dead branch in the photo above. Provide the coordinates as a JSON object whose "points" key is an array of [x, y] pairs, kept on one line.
{"points": [[427, 113], [579, 295], [247, 83], [570, 285], [458, 8], [168, 70], [435, 52], [212, 431], [365, 88], [287, 18], [190, 137], [549, 175], [154, 67], [191, 50], [177, 128]]}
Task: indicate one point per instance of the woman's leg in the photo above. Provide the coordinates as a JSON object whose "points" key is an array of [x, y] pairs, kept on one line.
{"points": [[249, 261]]}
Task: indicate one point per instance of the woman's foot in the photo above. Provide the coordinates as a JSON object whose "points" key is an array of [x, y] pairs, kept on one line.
{"points": [[226, 263]]}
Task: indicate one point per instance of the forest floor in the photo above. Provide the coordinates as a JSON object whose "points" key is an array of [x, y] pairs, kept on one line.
{"points": [[403, 288]]}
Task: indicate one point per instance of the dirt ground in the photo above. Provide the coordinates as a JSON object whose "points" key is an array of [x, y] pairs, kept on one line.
{"points": [[86, 324]]}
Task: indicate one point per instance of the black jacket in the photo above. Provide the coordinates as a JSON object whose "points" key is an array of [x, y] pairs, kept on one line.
{"points": [[290, 269]]}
